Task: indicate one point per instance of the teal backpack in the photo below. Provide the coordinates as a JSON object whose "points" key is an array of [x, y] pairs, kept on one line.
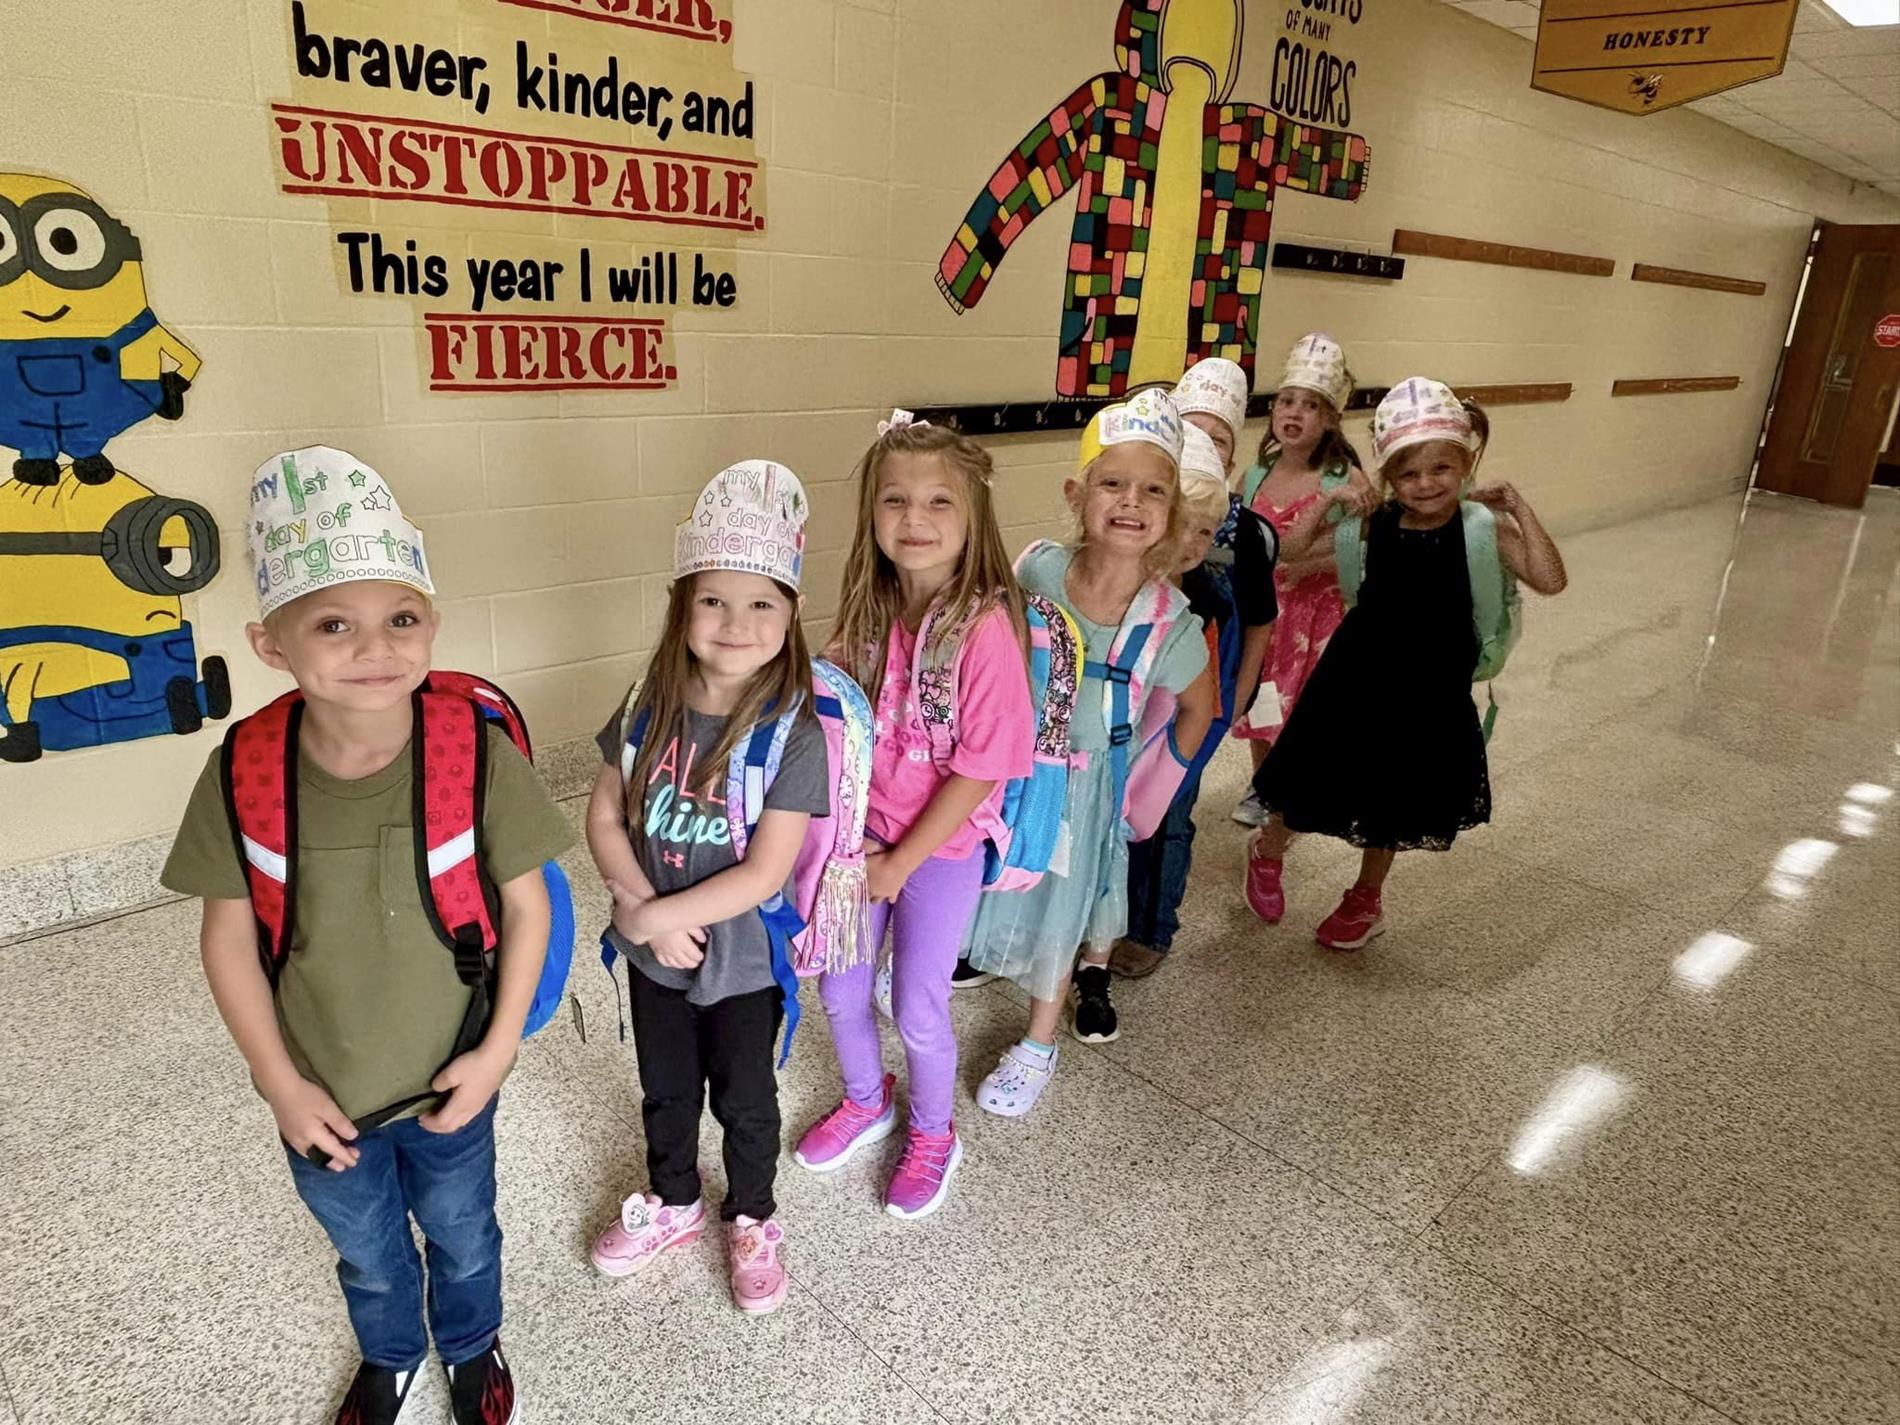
{"points": [[1496, 608]]}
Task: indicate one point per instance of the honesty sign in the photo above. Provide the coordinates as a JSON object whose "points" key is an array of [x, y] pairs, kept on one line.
{"points": [[1641, 56]]}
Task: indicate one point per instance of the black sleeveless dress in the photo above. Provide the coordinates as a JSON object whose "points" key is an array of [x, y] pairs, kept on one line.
{"points": [[1384, 748]]}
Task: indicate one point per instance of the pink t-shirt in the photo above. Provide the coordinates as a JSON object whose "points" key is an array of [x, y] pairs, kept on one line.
{"points": [[995, 730]]}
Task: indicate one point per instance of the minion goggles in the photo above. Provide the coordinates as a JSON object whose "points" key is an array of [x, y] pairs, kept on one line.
{"points": [[64, 239]]}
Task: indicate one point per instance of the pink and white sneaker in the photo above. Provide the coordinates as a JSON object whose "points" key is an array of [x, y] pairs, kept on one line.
{"points": [[646, 1228], [758, 1280], [829, 1143], [1360, 916], [922, 1179], [1264, 895]]}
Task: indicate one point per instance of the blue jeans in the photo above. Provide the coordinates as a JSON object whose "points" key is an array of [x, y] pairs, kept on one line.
{"points": [[1158, 872], [446, 1181]]}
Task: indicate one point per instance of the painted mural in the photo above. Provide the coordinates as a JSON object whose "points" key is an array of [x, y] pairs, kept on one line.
{"points": [[94, 644], [1175, 185]]}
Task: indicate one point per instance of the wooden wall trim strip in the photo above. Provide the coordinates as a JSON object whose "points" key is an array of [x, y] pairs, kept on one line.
{"points": [[1461, 249], [1680, 277], [1522, 394], [1675, 385]]}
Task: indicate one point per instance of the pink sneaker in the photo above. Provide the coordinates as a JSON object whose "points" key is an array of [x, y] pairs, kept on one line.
{"points": [[646, 1228], [829, 1143], [758, 1281], [1357, 920], [922, 1179], [1264, 895]]}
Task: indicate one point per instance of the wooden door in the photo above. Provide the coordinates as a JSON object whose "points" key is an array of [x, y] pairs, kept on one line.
{"points": [[1835, 400]]}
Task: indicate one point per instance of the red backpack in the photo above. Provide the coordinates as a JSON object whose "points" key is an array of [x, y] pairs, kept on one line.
{"points": [[450, 752]]}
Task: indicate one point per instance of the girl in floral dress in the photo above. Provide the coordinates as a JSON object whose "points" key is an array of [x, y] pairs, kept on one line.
{"points": [[1303, 459]]}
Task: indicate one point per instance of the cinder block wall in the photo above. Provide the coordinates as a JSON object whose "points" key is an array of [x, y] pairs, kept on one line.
{"points": [[549, 517]]}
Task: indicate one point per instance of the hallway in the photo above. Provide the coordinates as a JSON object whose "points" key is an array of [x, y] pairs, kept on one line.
{"points": [[1605, 1128]]}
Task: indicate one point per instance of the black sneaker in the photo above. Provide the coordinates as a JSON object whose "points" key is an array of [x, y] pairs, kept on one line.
{"points": [[482, 1391], [965, 977], [1094, 1021], [376, 1396]]}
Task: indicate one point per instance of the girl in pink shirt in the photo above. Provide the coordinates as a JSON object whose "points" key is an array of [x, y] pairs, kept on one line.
{"points": [[927, 552]]}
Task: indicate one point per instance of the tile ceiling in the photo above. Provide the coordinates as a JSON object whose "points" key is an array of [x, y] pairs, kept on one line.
{"points": [[1837, 102]]}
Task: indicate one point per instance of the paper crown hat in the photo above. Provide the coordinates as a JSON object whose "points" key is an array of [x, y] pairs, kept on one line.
{"points": [[1149, 417], [321, 517], [1416, 410], [1216, 387], [1200, 456], [750, 518], [1317, 364]]}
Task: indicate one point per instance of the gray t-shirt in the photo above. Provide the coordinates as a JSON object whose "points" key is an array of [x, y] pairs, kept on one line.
{"points": [[688, 840]]}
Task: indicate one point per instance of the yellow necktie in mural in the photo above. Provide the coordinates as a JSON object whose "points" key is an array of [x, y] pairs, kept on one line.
{"points": [[1174, 207]]}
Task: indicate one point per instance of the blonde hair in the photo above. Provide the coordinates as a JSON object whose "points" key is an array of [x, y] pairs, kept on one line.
{"points": [[662, 697], [870, 601], [1480, 428], [1159, 559]]}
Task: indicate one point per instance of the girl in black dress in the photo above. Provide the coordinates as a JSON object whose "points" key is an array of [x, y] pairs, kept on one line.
{"points": [[1384, 748]]}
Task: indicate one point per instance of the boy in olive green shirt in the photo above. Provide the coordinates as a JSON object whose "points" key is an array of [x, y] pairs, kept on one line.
{"points": [[361, 1026]]}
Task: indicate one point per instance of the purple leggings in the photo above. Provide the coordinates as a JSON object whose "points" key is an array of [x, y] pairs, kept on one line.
{"points": [[932, 911]]}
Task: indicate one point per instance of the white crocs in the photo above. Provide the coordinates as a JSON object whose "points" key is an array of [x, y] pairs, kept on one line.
{"points": [[1016, 1082]]}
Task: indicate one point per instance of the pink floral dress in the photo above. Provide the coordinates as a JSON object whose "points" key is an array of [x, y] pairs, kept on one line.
{"points": [[1310, 611]]}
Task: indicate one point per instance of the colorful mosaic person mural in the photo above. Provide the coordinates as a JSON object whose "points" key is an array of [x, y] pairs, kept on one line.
{"points": [[1176, 185], [94, 644]]}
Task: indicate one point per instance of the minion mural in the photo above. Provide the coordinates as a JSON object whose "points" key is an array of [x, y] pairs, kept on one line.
{"points": [[1168, 251], [94, 645]]}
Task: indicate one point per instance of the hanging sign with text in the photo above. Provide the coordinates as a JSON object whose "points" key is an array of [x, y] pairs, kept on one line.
{"points": [[546, 182], [1643, 56]]}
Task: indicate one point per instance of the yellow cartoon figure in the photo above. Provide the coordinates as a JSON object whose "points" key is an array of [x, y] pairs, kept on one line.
{"points": [[82, 358], [94, 646]]}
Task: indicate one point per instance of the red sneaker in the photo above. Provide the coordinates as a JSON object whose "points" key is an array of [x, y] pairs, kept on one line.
{"points": [[1359, 918], [1264, 895]]}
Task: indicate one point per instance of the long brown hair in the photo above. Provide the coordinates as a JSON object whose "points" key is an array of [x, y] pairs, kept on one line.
{"points": [[662, 699], [870, 601], [1333, 447]]}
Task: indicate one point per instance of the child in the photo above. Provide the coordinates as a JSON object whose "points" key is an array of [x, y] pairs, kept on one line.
{"points": [[1116, 573], [1303, 459], [1212, 396], [703, 984], [1158, 867], [927, 563], [363, 1038], [1384, 749]]}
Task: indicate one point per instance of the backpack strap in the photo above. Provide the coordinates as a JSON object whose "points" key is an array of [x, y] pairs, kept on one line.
{"points": [[936, 669], [494, 703], [1349, 553], [1251, 482], [1126, 673], [449, 787], [258, 775]]}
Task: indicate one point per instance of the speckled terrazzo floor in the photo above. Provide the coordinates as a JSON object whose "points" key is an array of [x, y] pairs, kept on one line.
{"points": [[1605, 1129]]}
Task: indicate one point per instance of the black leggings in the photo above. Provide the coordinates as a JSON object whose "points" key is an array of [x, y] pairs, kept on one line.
{"points": [[683, 1048]]}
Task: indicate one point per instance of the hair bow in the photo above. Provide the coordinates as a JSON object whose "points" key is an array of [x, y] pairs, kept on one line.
{"points": [[900, 420]]}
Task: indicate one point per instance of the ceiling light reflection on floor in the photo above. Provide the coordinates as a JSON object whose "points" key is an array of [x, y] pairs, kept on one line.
{"points": [[1858, 821], [1584, 1098], [1798, 864], [1712, 957], [1332, 1378], [1869, 794]]}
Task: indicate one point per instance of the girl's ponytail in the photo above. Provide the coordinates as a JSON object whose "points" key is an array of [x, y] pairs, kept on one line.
{"points": [[1480, 432]]}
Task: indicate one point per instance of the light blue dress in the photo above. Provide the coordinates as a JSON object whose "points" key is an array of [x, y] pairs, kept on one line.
{"points": [[1032, 936]]}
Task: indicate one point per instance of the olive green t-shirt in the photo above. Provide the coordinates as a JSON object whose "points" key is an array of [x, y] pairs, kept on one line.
{"points": [[368, 1000]]}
